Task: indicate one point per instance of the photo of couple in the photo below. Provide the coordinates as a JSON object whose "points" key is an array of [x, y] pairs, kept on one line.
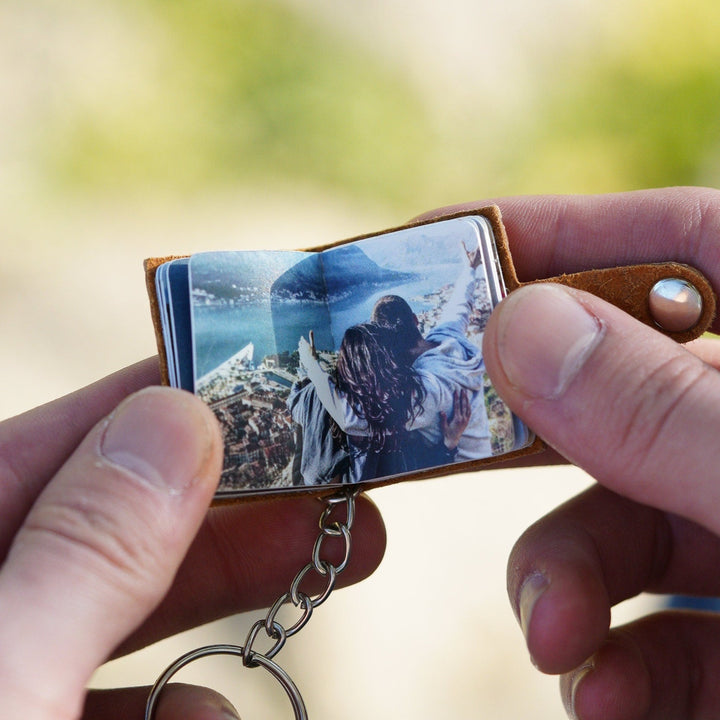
{"points": [[404, 389]]}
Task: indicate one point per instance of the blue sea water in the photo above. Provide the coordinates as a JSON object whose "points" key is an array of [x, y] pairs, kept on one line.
{"points": [[233, 306], [358, 308], [223, 330]]}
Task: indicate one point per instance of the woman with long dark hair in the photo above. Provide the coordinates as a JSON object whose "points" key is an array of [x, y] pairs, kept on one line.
{"points": [[386, 393], [374, 396]]}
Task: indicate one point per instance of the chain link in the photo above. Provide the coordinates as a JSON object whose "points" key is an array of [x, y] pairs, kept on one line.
{"points": [[274, 630], [330, 527], [330, 573]]}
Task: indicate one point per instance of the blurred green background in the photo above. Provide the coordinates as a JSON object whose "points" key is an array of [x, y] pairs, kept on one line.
{"points": [[149, 98], [148, 127]]}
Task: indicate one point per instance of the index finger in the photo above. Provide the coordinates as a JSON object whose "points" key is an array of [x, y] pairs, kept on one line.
{"points": [[234, 565], [593, 552], [554, 234]]}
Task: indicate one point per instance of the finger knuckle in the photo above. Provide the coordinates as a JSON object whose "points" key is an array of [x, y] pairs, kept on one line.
{"points": [[702, 221], [15, 498], [85, 533], [658, 408]]}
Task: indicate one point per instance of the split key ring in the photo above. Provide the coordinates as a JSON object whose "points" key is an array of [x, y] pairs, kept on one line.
{"points": [[254, 660]]}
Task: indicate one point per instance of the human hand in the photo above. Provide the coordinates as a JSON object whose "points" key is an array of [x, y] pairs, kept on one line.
{"points": [[453, 429], [642, 415], [474, 256], [107, 545], [307, 352]]}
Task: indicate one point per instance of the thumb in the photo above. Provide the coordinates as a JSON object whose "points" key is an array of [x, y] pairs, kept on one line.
{"points": [[101, 546], [637, 411]]}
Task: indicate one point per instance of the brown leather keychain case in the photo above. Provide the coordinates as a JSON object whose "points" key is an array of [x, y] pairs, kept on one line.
{"points": [[631, 288]]}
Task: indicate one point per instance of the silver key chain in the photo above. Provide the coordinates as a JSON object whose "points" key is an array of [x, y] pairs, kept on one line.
{"points": [[329, 528]]}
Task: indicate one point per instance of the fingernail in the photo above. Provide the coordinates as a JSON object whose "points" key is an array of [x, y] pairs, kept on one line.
{"points": [[159, 436], [531, 591], [570, 686], [545, 336]]}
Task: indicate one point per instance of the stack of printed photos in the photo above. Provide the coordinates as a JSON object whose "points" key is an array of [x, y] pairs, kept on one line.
{"points": [[359, 363]]}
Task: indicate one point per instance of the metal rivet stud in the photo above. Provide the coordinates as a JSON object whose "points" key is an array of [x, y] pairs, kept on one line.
{"points": [[675, 304]]}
